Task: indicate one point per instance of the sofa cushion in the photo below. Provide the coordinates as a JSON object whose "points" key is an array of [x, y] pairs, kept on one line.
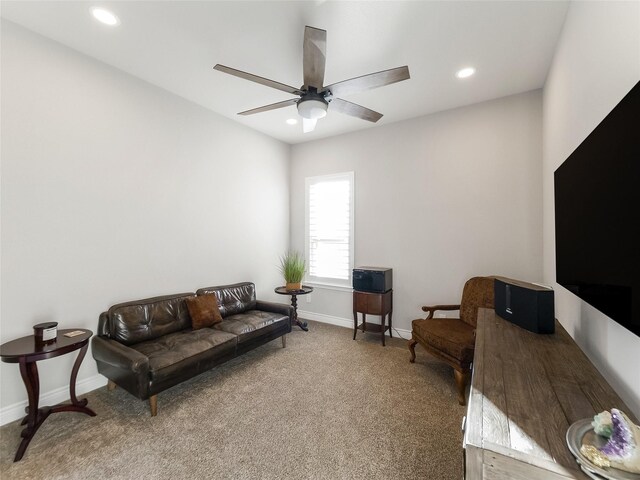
{"points": [[449, 335], [203, 310], [184, 346], [232, 299], [248, 325], [142, 320]]}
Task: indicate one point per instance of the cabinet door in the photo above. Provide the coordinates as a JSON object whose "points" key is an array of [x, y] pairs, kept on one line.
{"points": [[374, 304], [360, 302]]}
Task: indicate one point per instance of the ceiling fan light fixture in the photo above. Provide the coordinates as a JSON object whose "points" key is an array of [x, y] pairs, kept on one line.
{"points": [[312, 108], [314, 98]]}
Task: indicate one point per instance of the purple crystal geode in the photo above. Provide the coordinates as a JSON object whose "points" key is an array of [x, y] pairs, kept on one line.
{"points": [[622, 448]]}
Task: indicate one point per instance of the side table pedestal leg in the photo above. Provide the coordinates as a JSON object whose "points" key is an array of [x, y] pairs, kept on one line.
{"points": [[34, 418], [76, 405], [294, 304]]}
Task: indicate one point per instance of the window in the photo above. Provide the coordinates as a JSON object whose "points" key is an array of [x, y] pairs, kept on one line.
{"points": [[329, 228]]}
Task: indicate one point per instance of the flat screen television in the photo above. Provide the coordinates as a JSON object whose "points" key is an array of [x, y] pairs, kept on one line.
{"points": [[597, 216]]}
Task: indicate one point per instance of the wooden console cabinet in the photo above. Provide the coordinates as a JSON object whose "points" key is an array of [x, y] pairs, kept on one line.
{"points": [[526, 390], [373, 304]]}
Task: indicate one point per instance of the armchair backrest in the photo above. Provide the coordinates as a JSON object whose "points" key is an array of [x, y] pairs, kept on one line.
{"points": [[477, 293]]}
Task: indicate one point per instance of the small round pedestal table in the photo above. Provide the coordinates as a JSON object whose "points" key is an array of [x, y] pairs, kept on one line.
{"points": [[26, 352], [294, 302]]}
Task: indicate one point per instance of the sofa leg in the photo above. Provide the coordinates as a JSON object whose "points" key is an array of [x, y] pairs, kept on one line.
{"points": [[153, 404], [111, 385], [412, 349], [461, 383], [284, 341]]}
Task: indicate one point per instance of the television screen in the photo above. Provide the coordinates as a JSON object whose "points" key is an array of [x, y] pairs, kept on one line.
{"points": [[597, 209]]}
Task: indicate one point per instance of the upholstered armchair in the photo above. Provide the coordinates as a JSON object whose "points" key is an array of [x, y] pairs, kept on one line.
{"points": [[453, 339]]}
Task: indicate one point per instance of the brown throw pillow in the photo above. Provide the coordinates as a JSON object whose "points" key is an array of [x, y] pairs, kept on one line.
{"points": [[204, 311]]}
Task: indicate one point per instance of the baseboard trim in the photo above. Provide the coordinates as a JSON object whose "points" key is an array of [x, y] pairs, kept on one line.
{"points": [[345, 322], [14, 412]]}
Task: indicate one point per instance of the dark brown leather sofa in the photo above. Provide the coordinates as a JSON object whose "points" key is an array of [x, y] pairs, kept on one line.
{"points": [[147, 346]]}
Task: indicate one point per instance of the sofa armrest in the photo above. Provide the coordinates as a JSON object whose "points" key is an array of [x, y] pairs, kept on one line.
{"points": [[123, 365], [275, 308], [118, 355]]}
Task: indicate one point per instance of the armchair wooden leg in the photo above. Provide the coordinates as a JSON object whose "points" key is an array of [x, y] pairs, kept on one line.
{"points": [[412, 348], [284, 341], [111, 385], [461, 383], [153, 404]]}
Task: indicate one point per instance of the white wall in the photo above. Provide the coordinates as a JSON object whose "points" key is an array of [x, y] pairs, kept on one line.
{"points": [[440, 199], [113, 190], [597, 62]]}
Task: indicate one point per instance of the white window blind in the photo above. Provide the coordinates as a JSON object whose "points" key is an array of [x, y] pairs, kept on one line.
{"points": [[329, 222]]}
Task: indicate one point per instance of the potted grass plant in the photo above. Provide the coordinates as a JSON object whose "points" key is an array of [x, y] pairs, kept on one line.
{"points": [[292, 267]]}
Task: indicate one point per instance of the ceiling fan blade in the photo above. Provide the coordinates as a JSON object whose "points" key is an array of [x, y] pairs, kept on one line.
{"points": [[273, 106], [354, 110], [367, 82], [314, 56], [309, 125], [257, 79]]}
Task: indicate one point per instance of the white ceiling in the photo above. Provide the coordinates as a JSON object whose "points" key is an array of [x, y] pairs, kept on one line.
{"points": [[174, 45]]}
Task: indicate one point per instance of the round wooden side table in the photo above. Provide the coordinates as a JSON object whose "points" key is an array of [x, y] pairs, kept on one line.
{"points": [[25, 352], [294, 302]]}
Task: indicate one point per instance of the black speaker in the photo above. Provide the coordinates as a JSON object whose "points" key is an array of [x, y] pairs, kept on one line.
{"points": [[372, 279], [527, 305]]}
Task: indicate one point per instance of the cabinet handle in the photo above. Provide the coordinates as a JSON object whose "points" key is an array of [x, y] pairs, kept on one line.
{"points": [[464, 421]]}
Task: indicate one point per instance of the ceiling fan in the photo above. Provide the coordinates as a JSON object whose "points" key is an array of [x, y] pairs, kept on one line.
{"points": [[315, 98]]}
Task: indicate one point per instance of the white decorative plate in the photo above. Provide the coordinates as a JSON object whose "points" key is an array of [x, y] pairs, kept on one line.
{"points": [[581, 433]]}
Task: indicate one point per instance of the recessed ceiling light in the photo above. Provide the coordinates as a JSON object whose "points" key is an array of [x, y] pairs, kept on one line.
{"points": [[292, 121], [465, 72], [105, 16]]}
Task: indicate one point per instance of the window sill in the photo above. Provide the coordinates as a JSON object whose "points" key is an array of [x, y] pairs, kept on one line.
{"points": [[329, 286]]}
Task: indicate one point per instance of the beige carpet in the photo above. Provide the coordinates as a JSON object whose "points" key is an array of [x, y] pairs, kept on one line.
{"points": [[325, 407]]}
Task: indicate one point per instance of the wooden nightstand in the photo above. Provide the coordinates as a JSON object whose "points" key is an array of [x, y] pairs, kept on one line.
{"points": [[373, 304]]}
